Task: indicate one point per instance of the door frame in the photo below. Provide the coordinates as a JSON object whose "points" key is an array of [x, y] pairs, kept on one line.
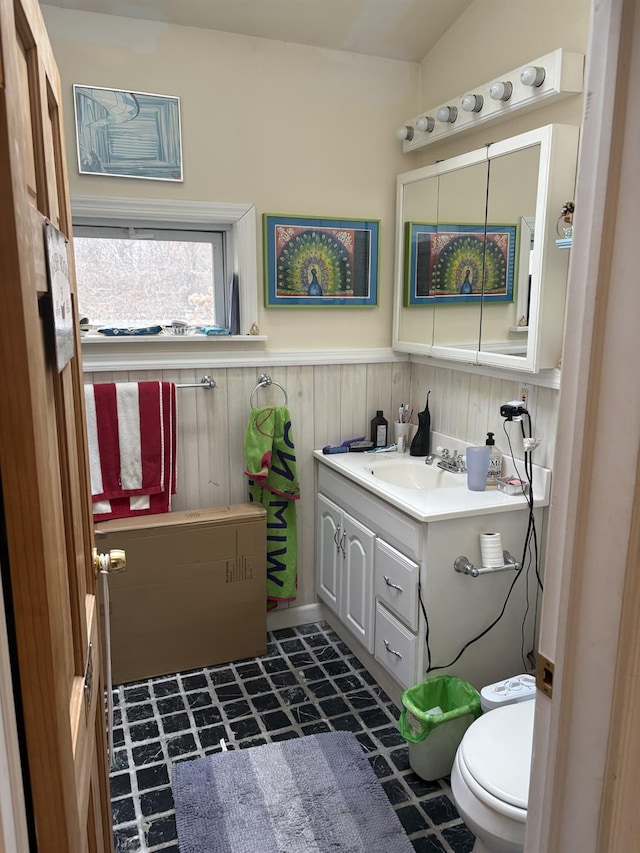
{"points": [[586, 746]]}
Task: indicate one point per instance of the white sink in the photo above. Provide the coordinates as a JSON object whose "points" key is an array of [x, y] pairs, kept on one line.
{"points": [[414, 473]]}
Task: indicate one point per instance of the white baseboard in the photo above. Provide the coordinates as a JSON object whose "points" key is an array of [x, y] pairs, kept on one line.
{"points": [[290, 617]]}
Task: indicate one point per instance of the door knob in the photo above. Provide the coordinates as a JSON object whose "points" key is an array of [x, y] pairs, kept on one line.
{"points": [[113, 562]]}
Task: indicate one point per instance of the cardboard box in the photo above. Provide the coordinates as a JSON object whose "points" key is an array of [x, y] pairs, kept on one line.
{"points": [[193, 593]]}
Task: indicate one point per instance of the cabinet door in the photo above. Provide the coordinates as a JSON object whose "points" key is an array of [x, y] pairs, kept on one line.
{"points": [[328, 554], [357, 543]]}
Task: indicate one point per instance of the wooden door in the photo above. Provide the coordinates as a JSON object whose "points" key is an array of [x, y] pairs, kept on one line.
{"points": [[51, 590]]}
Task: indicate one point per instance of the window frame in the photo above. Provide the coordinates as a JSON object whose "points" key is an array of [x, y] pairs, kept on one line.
{"points": [[237, 220]]}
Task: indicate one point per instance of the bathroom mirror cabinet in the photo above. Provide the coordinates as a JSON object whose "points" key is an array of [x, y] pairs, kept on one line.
{"points": [[479, 277]]}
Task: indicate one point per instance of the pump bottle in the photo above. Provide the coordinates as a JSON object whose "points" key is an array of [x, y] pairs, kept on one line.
{"points": [[495, 461]]}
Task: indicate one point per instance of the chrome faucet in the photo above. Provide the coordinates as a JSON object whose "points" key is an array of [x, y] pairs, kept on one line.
{"points": [[447, 461]]}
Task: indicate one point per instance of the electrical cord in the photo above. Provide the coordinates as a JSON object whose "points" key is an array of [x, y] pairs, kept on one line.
{"points": [[531, 536], [528, 558], [469, 642]]}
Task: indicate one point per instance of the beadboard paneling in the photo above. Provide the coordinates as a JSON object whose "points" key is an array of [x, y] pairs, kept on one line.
{"points": [[467, 406], [328, 404]]}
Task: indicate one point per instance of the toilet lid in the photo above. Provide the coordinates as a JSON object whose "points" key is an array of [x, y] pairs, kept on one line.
{"points": [[496, 753]]}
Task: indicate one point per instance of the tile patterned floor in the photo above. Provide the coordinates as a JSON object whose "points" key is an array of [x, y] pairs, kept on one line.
{"points": [[308, 682]]}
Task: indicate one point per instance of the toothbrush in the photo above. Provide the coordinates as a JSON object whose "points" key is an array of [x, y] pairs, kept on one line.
{"points": [[401, 414]]}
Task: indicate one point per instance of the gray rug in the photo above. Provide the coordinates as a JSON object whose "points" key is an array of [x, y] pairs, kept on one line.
{"points": [[315, 794]]}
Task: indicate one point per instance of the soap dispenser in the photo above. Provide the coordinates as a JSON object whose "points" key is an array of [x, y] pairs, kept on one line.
{"points": [[422, 439], [495, 461]]}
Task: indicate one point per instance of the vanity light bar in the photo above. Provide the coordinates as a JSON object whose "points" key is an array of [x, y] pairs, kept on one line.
{"points": [[538, 83]]}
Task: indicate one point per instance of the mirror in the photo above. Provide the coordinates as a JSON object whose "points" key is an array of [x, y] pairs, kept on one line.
{"points": [[478, 275]]}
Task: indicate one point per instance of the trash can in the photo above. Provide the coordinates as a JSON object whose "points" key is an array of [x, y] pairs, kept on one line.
{"points": [[434, 718]]}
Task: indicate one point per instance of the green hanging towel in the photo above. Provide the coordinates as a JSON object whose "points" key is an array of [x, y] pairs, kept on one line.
{"points": [[273, 482]]}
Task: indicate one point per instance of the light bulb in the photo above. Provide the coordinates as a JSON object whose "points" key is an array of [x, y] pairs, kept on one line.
{"points": [[532, 75], [472, 103], [501, 91], [405, 132], [425, 124], [448, 114]]}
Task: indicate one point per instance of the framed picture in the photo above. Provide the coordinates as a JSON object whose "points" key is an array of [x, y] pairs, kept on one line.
{"points": [[130, 134], [320, 262], [459, 263]]}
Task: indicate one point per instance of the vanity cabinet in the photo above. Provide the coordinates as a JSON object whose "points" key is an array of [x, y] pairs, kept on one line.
{"points": [[377, 568]]}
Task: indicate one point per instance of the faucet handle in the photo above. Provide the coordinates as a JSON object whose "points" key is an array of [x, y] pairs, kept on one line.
{"points": [[445, 453]]}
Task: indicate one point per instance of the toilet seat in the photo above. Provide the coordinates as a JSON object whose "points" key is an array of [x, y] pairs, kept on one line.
{"points": [[494, 759]]}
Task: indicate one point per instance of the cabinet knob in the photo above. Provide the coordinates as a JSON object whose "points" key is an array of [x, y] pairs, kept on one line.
{"points": [[390, 650], [392, 585]]}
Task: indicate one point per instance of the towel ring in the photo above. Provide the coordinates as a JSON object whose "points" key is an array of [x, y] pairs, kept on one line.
{"points": [[265, 380]]}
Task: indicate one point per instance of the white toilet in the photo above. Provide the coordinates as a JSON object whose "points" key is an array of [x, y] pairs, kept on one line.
{"points": [[490, 775]]}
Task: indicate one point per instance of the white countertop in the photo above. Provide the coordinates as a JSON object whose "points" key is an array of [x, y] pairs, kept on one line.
{"points": [[433, 504]]}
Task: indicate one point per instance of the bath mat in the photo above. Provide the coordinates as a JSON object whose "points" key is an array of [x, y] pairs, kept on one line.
{"points": [[315, 794]]}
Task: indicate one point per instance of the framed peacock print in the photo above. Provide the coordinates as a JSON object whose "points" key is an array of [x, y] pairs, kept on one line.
{"points": [[459, 263], [320, 262]]}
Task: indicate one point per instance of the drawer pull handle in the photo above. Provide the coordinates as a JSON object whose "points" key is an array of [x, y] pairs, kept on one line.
{"points": [[392, 651], [392, 585], [341, 546], [336, 538]]}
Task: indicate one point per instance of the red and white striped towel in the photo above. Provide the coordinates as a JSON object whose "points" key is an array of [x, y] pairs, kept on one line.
{"points": [[131, 431]]}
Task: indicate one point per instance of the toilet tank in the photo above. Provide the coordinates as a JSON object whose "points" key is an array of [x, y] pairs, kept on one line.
{"points": [[519, 688]]}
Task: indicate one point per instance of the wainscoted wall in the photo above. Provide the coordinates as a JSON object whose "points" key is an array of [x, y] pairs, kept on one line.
{"points": [[467, 406], [328, 404]]}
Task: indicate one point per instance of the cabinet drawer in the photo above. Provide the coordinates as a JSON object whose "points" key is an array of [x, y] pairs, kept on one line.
{"points": [[396, 583], [396, 648]]}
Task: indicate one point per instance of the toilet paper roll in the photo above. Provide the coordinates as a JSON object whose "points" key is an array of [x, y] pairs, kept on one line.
{"points": [[491, 550]]}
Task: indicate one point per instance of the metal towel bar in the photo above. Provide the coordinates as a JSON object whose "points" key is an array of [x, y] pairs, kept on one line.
{"points": [[206, 382]]}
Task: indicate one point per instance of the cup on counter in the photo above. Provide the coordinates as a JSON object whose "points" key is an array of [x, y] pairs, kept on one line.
{"points": [[478, 467], [403, 433]]}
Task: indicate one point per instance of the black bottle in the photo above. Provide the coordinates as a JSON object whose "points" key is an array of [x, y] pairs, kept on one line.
{"points": [[379, 429], [422, 439]]}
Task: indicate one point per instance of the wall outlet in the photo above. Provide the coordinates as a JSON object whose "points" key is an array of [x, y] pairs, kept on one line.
{"points": [[525, 393]]}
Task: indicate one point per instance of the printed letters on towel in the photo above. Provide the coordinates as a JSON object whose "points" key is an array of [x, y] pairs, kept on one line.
{"points": [[271, 468]]}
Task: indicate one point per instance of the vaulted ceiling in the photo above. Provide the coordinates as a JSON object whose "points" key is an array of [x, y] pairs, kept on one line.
{"points": [[395, 29]]}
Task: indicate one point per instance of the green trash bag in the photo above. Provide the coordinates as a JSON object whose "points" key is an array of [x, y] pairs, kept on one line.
{"points": [[446, 697]]}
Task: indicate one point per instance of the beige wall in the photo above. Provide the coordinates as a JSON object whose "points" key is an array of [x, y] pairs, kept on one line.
{"points": [[291, 129]]}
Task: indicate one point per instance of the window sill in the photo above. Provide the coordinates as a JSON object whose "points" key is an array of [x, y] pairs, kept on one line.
{"points": [[163, 352]]}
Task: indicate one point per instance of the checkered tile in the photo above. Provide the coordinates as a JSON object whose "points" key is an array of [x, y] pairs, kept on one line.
{"points": [[309, 681]]}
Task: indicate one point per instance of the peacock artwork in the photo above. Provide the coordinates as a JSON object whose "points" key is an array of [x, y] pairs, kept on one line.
{"points": [[459, 263], [320, 262]]}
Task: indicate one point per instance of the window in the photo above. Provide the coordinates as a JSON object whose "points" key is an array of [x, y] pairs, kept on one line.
{"points": [[140, 276], [232, 225]]}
